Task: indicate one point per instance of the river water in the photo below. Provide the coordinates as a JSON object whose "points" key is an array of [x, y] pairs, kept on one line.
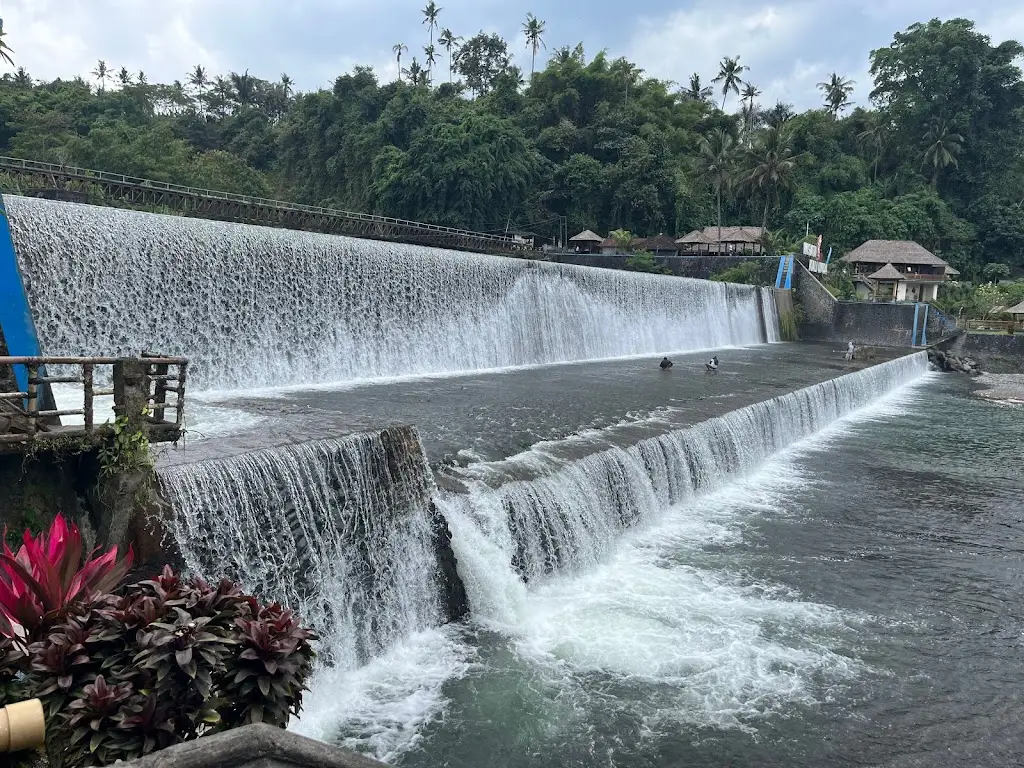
{"points": [[855, 601]]}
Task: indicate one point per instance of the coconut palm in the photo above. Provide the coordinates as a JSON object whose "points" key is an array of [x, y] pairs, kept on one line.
{"points": [[533, 29], [198, 80], [398, 49], [449, 41], [244, 87], [5, 49], [141, 78], [715, 164], [414, 72], [837, 92], [730, 75], [875, 137], [697, 91], [779, 114], [430, 56], [286, 85], [22, 79], [750, 92], [101, 73], [430, 14], [942, 145], [772, 167]]}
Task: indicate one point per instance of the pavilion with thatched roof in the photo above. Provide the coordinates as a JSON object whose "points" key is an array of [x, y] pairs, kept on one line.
{"points": [[586, 241], [735, 241], [914, 272]]}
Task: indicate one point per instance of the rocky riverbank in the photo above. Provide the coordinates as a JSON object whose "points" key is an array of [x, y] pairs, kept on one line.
{"points": [[946, 361]]}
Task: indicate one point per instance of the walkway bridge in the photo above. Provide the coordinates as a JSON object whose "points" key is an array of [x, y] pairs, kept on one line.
{"points": [[44, 179]]}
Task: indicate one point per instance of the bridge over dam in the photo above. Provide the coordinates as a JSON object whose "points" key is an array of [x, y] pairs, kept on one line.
{"points": [[41, 179]]}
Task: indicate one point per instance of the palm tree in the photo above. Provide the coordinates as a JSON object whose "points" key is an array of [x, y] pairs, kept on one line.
{"points": [[533, 28], [430, 14], [414, 72], [197, 79], [398, 49], [124, 77], [244, 86], [772, 167], [696, 91], [623, 240], [22, 79], [141, 77], [837, 92], [429, 55], [875, 136], [715, 162], [5, 49], [449, 41], [750, 92], [101, 73], [286, 85], [779, 114], [730, 75], [942, 146]]}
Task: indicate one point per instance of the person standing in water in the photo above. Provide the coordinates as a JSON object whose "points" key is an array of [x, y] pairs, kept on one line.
{"points": [[849, 351], [712, 364], [665, 363]]}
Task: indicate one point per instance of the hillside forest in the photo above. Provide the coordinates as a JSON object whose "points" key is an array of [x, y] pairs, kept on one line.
{"points": [[465, 138]]}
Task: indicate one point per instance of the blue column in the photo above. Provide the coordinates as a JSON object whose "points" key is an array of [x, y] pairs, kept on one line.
{"points": [[15, 316], [913, 335], [924, 326], [778, 276], [789, 272]]}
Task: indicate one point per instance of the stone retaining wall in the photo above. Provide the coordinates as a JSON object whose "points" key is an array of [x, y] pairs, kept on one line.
{"points": [[997, 353]]}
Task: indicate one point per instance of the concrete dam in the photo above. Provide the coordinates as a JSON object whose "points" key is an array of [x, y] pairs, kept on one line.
{"points": [[463, 470]]}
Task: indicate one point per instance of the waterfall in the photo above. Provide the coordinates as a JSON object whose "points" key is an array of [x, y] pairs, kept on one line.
{"points": [[261, 307], [771, 314], [562, 506], [340, 530]]}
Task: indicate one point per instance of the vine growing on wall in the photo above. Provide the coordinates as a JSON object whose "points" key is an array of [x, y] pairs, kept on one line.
{"points": [[126, 450]]}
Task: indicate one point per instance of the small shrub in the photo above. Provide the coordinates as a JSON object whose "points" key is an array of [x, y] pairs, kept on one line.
{"points": [[46, 578], [114, 673]]}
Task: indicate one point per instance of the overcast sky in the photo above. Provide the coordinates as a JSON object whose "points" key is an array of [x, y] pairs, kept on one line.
{"points": [[790, 45]]}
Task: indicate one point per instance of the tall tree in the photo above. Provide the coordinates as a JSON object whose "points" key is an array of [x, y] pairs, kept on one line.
{"points": [[837, 92], [481, 60], [941, 147], [875, 137], [533, 29], [101, 73], [416, 74], [124, 77], [715, 165], [430, 14], [286, 85], [22, 79], [398, 49], [772, 167], [750, 93], [730, 75], [697, 91], [198, 80], [449, 42], [778, 115], [430, 56]]}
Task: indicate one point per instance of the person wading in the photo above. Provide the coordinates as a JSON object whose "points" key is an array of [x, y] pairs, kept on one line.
{"points": [[665, 363]]}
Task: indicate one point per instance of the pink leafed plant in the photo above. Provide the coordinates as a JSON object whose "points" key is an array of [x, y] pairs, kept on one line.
{"points": [[47, 576]]}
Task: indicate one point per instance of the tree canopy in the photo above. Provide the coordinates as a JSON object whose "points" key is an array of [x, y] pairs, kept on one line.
{"points": [[936, 156]]}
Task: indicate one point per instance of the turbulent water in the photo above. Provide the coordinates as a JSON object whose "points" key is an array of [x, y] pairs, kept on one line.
{"points": [[261, 307], [339, 530]]}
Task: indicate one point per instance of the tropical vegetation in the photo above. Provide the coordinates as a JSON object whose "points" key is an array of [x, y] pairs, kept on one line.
{"points": [[584, 141]]}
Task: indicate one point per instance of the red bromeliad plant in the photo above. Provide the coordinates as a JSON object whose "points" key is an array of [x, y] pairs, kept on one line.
{"points": [[47, 576]]}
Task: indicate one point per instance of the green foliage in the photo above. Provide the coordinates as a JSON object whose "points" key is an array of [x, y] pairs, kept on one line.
{"points": [[124, 450], [750, 272], [939, 158], [643, 261], [163, 661], [994, 272]]}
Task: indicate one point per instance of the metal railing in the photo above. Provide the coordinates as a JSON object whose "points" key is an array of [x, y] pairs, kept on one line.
{"points": [[24, 419], [991, 325], [89, 175]]}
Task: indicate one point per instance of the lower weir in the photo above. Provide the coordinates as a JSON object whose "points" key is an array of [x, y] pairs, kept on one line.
{"points": [[355, 533]]}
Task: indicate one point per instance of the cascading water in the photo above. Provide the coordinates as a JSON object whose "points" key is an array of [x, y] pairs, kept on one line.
{"points": [[771, 315], [339, 530], [260, 307], [573, 507]]}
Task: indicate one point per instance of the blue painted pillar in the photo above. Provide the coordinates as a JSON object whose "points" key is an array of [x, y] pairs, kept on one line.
{"points": [[15, 316], [913, 334], [789, 272], [778, 276], [924, 326]]}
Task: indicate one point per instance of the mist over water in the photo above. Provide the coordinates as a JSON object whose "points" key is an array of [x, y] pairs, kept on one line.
{"points": [[261, 307]]}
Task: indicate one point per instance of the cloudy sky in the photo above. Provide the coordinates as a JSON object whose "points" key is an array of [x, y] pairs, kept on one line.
{"points": [[790, 45]]}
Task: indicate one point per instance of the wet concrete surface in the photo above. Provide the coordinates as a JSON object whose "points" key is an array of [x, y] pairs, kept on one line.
{"points": [[489, 416]]}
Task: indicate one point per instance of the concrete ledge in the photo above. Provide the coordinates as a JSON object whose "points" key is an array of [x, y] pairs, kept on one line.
{"points": [[254, 746]]}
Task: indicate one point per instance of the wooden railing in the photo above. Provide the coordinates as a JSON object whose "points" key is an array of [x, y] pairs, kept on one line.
{"points": [[24, 417], [993, 325]]}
